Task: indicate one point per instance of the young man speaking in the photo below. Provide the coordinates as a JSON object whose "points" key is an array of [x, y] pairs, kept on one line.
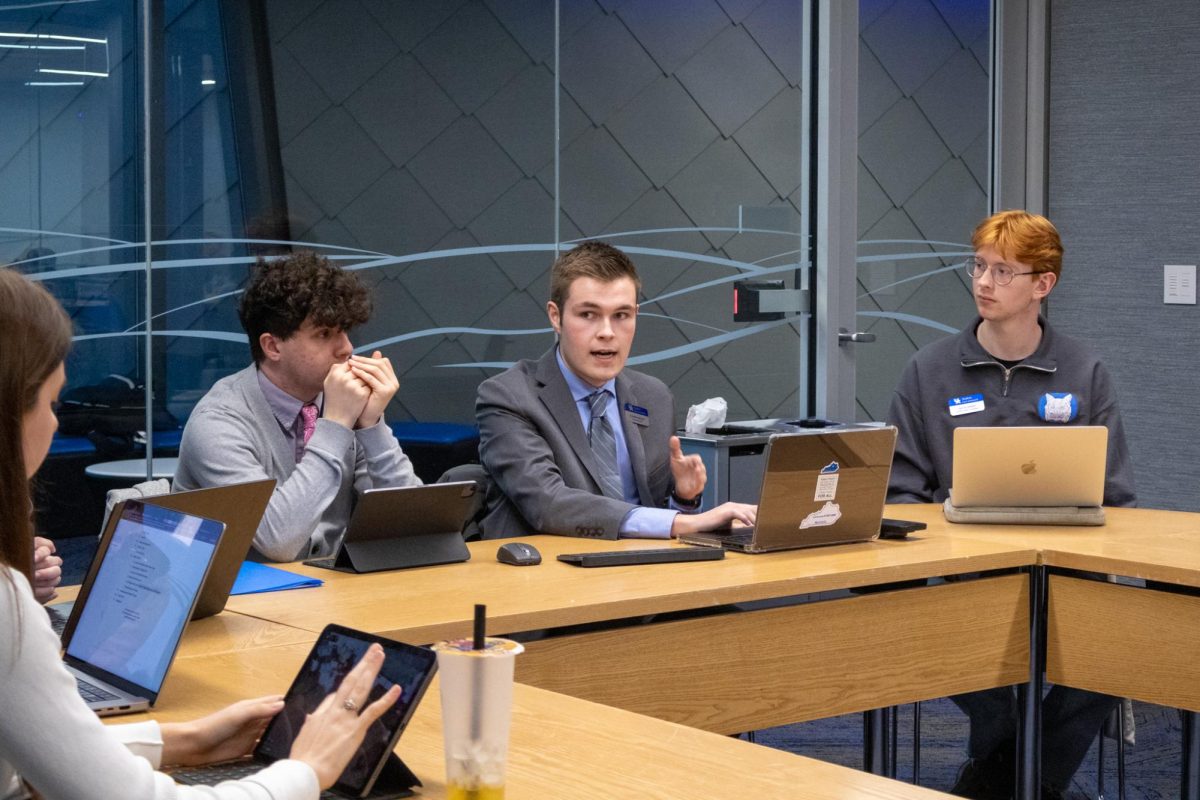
{"points": [[579, 445]]}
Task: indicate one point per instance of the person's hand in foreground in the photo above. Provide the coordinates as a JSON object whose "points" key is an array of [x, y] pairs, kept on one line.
{"points": [[331, 734]]}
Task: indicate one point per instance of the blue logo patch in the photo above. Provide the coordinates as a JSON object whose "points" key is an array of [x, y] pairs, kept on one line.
{"points": [[641, 412], [1058, 407], [830, 468]]}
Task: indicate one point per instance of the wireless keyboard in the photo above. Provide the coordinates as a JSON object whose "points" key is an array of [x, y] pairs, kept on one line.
{"points": [[662, 555]]}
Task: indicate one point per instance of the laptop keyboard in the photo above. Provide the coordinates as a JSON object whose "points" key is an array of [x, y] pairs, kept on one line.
{"points": [[58, 620], [740, 536], [92, 692], [213, 774]]}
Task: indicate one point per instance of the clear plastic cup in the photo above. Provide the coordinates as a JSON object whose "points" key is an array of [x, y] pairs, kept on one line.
{"points": [[476, 687]]}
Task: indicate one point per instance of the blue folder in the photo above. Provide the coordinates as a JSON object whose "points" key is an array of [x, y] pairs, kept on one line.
{"points": [[253, 578]]}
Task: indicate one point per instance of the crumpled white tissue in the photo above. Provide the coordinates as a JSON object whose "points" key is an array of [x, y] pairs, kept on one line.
{"points": [[709, 414]]}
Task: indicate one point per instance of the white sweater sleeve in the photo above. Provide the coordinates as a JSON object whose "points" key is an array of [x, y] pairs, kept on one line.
{"points": [[51, 739]]}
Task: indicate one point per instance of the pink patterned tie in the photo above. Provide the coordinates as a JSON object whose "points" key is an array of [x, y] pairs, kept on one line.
{"points": [[308, 413]]}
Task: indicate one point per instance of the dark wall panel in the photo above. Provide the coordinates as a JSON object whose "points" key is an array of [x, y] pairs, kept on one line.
{"points": [[1125, 192]]}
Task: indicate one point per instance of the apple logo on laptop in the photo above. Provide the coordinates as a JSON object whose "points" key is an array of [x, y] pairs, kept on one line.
{"points": [[1029, 467]]}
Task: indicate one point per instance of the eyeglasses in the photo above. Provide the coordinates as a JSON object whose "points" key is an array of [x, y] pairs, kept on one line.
{"points": [[1002, 274]]}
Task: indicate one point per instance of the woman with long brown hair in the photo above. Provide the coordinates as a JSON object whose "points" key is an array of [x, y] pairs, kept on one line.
{"points": [[44, 719]]}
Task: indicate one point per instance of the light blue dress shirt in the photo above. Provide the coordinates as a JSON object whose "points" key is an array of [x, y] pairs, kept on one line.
{"points": [[643, 521]]}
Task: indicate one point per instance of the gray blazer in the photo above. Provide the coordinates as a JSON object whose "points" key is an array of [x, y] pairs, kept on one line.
{"points": [[534, 447]]}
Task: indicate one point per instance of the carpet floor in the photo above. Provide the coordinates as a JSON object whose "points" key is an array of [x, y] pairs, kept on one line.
{"points": [[1152, 766]]}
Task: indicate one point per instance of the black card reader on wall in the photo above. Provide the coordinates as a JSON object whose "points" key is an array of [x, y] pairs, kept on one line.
{"points": [[760, 301]]}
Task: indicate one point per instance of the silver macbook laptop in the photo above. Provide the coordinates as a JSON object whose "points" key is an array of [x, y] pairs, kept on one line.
{"points": [[240, 506], [818, 488], [1040, 465], [141, 599]]}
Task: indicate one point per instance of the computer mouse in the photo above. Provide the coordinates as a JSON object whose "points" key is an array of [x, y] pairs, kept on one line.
{"points": [[518, 554]]}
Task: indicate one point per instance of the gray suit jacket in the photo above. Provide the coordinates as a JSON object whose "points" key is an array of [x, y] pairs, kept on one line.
{"points": [[534, 447]]}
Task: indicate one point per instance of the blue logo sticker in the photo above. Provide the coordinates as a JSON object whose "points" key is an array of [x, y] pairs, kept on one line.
{"points": [[830, 468], [1058, 407]]}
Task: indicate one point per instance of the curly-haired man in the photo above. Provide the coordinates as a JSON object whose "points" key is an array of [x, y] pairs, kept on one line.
{"points": [[307, 412]]}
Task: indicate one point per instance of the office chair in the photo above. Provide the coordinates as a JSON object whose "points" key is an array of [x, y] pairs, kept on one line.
{"points": [[138, 491], [484, 485]]}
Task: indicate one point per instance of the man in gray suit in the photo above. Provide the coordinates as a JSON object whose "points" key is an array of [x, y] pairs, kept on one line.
{"points": [[577, 444]]}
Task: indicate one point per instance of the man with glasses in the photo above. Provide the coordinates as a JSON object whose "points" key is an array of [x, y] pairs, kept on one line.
{"points": [[1009, 367]]}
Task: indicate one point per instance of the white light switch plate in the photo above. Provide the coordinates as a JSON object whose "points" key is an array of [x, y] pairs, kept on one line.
{"points": [[1179, 283]]}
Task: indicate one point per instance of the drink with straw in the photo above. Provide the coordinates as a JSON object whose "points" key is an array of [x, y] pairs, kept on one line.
{"points": [[476, 686]]}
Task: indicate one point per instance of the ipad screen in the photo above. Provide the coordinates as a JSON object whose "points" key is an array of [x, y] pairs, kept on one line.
{"points": [[336, 652]]}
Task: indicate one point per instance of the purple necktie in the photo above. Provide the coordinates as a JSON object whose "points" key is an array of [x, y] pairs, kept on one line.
{"points": [[308, 415]]}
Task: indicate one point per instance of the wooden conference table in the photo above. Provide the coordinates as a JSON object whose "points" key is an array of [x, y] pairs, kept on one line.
{"points": [[692, 643], [1118, 639], [756, 641], [560, 746], [1141, 642]]}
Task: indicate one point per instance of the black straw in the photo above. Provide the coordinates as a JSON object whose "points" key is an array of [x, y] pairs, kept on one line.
{"points": [[480, 625], [477, 678]]}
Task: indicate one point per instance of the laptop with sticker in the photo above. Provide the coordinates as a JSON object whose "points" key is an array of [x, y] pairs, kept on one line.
{"points": [[818, 488], [1036, 466]]}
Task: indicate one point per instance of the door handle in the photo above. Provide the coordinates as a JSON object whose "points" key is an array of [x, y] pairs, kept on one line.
{"points": [[858, 337]]}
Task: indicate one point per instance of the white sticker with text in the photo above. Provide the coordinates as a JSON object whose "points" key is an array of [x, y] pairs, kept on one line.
{"points": [[827, 482], [826, 515]]}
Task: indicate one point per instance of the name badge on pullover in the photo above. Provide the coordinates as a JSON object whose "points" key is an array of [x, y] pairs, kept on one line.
{"points": [[967, 404]]}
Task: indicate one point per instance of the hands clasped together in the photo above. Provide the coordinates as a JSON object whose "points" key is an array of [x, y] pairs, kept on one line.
{"points": [[358, 390]]}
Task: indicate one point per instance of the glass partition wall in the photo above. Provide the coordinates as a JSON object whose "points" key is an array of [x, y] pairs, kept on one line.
{"points": [[444, 150], [923, 172]]}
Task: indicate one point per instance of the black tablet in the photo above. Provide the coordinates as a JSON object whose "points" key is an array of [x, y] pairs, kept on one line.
{"points": [[333, 656]]}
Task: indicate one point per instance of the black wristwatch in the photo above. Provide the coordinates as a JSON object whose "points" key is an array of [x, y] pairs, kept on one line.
{"points": [[689, 504]]}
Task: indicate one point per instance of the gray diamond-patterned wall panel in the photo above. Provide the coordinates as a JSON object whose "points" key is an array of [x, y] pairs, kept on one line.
{"points": [[402, 108], [663, 129], [432, 127], [732, 78], [335, 27], [672, 31], [472, 56], [923, 117]]}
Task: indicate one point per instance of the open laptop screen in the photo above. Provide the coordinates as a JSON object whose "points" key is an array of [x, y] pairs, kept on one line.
{"points": [[143, 593]]}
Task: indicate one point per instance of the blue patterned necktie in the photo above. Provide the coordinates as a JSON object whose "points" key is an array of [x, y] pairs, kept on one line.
{"points": [[604, 445]]}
